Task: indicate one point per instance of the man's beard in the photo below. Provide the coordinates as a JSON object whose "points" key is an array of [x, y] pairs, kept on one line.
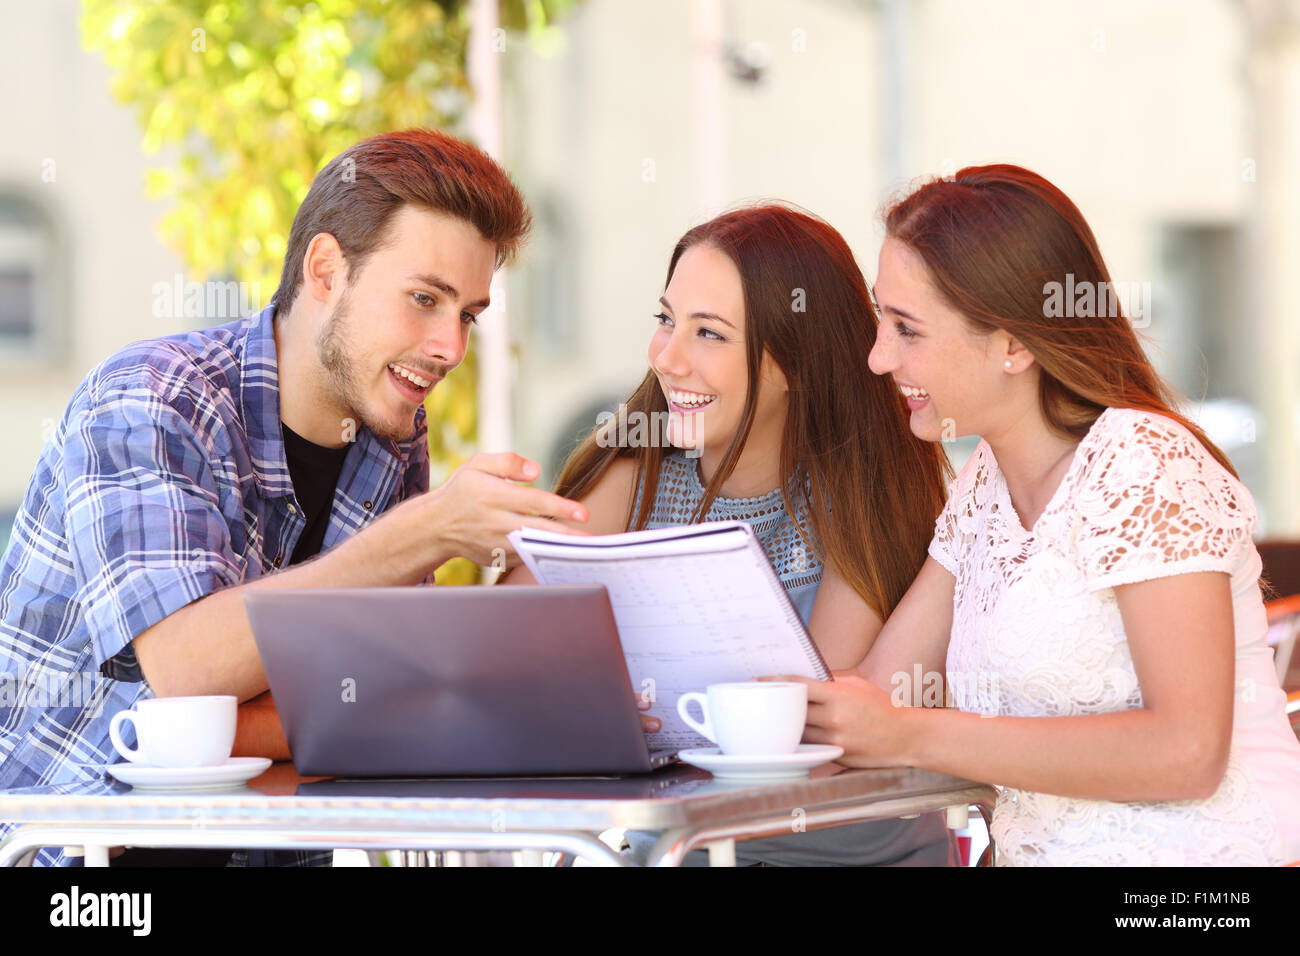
{"points": [[342, 377]]}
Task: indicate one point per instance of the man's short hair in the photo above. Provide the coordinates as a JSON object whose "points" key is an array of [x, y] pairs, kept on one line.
{"points": [[356, 194]]}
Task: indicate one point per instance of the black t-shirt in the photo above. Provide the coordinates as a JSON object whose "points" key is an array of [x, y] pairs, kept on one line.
{"points": [[315, 473]]}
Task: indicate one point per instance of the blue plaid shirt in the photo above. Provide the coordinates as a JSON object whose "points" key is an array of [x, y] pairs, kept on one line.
{"points": [[165, 481]]}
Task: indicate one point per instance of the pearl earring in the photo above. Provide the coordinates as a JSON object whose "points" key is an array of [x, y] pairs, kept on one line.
{"points": [[1007, 363]]}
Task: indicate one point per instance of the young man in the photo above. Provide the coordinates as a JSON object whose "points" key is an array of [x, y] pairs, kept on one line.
{"points": [[191, 469]]}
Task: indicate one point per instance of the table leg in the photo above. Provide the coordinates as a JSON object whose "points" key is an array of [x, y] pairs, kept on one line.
{"points": [[91, 855], [721, 852], [96, 856]]}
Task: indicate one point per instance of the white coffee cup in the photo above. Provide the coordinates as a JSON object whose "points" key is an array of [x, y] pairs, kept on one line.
{"points": [[756, 718], [178, 731]]}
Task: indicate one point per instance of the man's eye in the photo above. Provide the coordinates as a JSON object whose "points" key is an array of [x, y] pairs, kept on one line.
{"points": [[469, 318], [423, 298]]}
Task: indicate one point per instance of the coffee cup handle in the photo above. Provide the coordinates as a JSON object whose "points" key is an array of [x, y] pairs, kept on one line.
{"points": [[115, 734], [683, 702]]}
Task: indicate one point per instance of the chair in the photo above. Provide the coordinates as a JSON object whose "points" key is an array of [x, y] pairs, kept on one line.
{"points": [[1283, 625], [1281, 560]]}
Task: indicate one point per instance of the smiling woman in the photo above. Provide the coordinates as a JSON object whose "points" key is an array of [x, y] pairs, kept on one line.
{"points": [[758, 377], [1092, 594], [758, 365], [703, 377]]}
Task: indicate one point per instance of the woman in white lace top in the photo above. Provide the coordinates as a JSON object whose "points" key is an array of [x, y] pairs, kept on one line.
{"points": [[1092, 593]]}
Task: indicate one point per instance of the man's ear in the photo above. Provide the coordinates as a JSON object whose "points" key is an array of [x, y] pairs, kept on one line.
{"points": [[323, 267]]}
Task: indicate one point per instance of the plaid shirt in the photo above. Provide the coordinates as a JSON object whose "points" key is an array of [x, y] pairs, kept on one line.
{"points": [[165, 481]]}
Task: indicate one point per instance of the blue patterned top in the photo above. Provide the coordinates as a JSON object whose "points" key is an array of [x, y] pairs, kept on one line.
{"points": [[680, 492]]}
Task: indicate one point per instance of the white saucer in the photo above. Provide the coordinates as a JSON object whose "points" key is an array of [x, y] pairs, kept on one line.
{"points": [[790, 766], [234, 771]]}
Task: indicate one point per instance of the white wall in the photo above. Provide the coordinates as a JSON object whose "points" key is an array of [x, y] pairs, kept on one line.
{"points": [[57, 106], [1139, 112]]}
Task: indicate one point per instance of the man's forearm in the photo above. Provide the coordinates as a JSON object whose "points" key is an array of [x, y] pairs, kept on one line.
{"points": [[258, 732], [207, 647]]}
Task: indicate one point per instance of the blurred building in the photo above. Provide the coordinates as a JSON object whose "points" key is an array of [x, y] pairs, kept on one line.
{"points": [[1172, 124], [79, 254]]}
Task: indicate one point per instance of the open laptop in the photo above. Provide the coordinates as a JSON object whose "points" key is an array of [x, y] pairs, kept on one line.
{"points": [[450, 681]]}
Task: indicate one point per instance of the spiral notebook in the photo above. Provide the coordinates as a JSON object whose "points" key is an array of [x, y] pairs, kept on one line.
{"points": [[695, 605]]}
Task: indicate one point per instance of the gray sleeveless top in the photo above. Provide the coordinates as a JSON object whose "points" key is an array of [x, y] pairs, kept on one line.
{"points": [[680, 492]]}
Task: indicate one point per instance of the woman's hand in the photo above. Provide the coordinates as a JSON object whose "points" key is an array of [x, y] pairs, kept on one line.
{"points": [[857, 715]]}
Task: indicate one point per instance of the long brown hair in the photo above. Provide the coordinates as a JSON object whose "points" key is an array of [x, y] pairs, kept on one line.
{"points": [[993, 238], [872, 489]]}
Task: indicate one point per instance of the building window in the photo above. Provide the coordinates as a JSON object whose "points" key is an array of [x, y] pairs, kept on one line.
{"points": [[29, 263]]}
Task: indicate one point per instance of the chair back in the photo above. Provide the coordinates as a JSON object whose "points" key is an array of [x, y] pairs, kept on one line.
{"points": [[1283, 625]]}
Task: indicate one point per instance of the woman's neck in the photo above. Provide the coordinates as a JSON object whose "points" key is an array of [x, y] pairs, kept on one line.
{"points": [[757, 471], [1033, 458]]}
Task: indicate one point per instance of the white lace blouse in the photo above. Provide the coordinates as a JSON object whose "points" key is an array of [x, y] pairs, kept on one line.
{"points": [[1037, 632]]}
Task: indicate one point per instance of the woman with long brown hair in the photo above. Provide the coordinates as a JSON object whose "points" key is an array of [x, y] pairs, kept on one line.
{"points": [[759, 406], [1092, 592]]}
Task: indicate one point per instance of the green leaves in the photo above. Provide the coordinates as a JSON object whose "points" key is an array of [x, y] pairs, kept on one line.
{"points": [[253, 97]]}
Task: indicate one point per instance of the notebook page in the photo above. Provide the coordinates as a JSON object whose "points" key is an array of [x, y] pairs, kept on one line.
{"points": [[692, 609]]}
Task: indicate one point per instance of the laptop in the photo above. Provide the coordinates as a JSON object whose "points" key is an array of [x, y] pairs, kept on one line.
{"points": [[450, 681]]}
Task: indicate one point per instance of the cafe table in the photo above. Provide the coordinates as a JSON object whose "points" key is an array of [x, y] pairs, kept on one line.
{"points": [[282, 810]]}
